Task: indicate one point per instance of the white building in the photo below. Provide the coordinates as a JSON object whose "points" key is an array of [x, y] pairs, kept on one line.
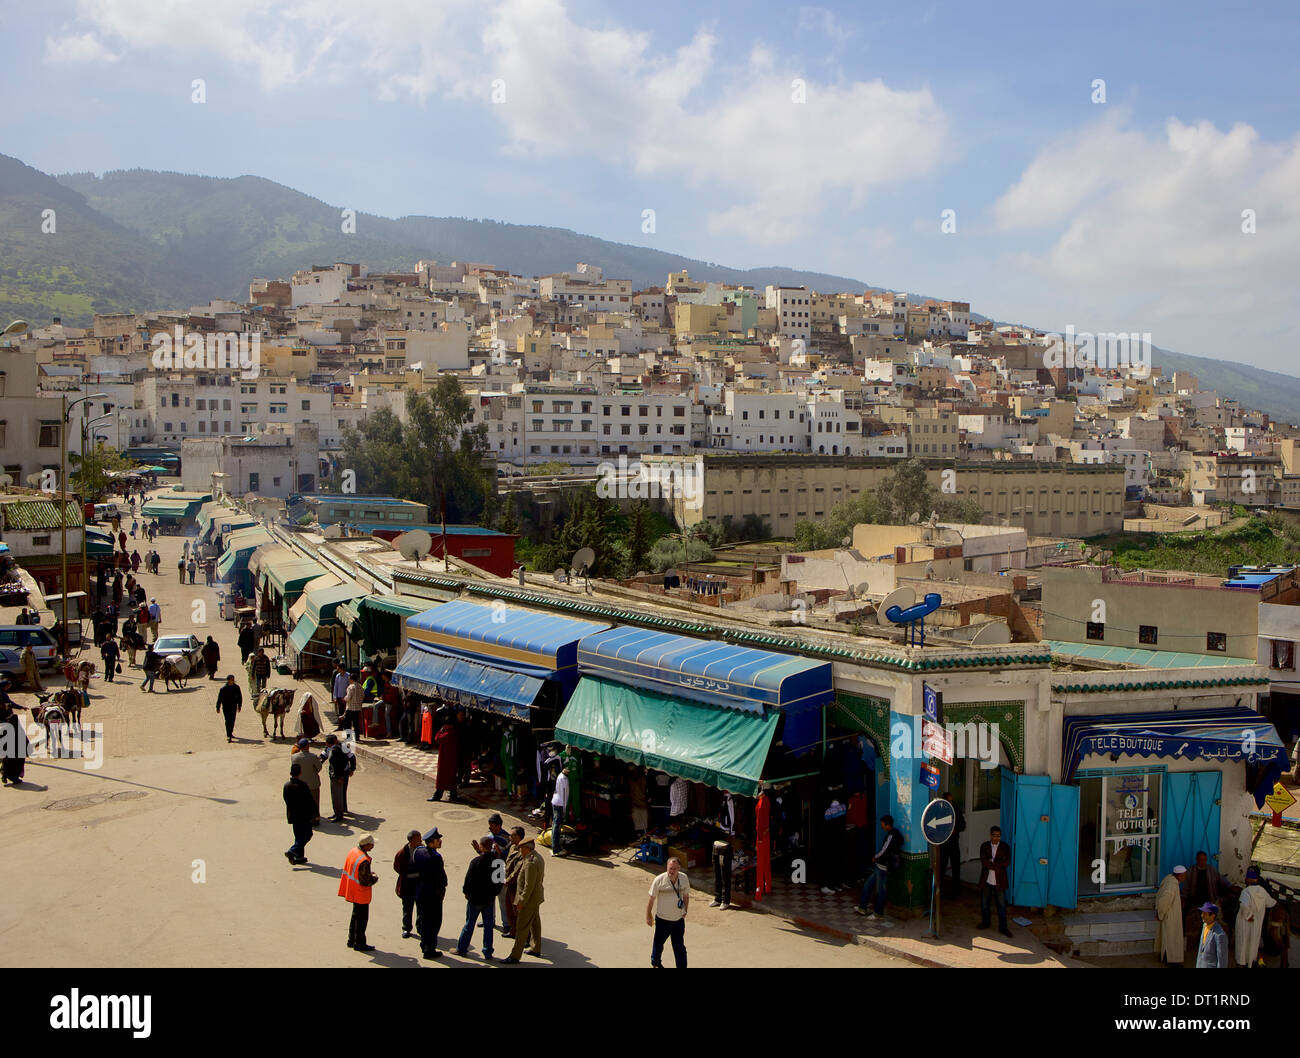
{"points": [[793, 307]]}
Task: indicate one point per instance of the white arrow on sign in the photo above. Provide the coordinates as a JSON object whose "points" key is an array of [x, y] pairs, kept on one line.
{"points": [[939, 818]]}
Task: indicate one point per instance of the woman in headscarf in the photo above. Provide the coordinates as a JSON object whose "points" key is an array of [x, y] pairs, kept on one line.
{"points": [[13, 745], [307, 719]]}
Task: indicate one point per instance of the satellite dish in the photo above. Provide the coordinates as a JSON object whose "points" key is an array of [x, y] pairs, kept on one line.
{"points": [[334, 532], [914, 518], [584, 559], [560, 576], [993, 634], [34, 480], [903, 598], [6, 480], [929, 572], [414, 545], [847, 542], [862, 590]]}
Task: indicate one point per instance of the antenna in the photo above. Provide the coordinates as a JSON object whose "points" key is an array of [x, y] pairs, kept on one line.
{"points": [[414, 545], [584, 559]]}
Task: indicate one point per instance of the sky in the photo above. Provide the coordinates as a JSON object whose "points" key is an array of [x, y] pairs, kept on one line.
{"points": [[1107, 166]]}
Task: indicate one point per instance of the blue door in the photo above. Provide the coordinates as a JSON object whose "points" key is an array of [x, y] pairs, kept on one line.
{"points": [[1041, 820], [1191, 818]]}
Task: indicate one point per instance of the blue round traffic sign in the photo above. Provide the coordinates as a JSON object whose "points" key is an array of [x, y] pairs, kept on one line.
{"points": [[938, 821]]}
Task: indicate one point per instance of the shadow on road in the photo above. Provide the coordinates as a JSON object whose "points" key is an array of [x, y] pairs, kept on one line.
{"points": [[128, 782]]}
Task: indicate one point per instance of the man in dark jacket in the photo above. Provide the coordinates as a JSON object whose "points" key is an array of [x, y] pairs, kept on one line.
{"points": [[483, 881], [300, 807], [230, 700], [211, 657], [340, 769], [432, 887], [261, 670], [247, 641], [408, 879], [110, 652], [995, 858], [888, 858], [950, 850]]}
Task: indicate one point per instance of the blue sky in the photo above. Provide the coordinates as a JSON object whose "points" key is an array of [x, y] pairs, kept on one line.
{"points": [[1122, 215]]}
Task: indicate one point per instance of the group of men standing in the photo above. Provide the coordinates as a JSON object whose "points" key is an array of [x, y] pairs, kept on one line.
{"points": [[505, 867], [1189, 907]]}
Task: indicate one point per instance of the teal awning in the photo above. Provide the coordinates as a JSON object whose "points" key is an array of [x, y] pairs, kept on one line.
{"points": [[291, 574], [323, 603], [165, 508], [391, 605], [302, 632], [349, 617], [719, 747], [239, 548]]}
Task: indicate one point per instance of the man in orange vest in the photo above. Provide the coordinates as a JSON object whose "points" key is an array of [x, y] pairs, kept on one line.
{"points": [[354, 887]]}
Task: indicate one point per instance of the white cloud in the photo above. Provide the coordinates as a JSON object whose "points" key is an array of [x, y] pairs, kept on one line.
{"points": [[1126, 210], [599, 91], [82, 47]]}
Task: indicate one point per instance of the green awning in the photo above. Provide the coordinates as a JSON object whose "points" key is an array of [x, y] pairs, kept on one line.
{"points": [[324, 603], [239, 547], [349, 617], [165, 508], [718, 747], [397, 607], [291, 574], [302, 632]]}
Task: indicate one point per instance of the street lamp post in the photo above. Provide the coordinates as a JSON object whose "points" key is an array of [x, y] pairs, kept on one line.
{"points": [[63, 498], [87, 426]]}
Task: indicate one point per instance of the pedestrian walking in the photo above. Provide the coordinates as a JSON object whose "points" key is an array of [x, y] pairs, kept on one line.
{"points": [[121, 538], [129, 635], [1170, 941], [191, 568], [14, 747], [152, 663], [355, 885], [482, 884], [110, 653], [230, 701], [209, 571], [1212, 951], [309, 765], [430, 890], [299, 810], [408, 878], [445, 777], [1252, 910], [260, 670], [670, 900], [888, 858], [528, 897], [340, 765], [155, 616], [180, 569], [135, 561], [211, 654]]}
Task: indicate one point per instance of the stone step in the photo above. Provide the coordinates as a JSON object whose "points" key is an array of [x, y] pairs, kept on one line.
{"points": [[1115, 944], [1139, 923]]}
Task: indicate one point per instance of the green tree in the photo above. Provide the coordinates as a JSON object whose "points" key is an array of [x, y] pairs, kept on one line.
{"points": [[506, 522], [91, 477]]}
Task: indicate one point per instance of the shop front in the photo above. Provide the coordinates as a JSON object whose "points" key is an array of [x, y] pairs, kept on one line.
{"points": [[1154, 789], [317, 632], [514, 664], [233, 565], [281, 580], [700, 746]]}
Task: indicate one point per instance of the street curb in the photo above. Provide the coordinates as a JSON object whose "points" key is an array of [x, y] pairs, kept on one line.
{"points": [[394, 765]]}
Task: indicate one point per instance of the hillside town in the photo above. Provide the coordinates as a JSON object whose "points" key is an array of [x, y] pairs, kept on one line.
{"points": [[885, 576]]}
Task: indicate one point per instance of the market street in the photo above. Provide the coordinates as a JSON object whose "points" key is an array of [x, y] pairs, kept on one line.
{"points": [[172, 853]]}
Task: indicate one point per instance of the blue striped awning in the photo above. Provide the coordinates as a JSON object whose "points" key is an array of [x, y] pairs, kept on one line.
{"points": [[468, 683], [1210, 736]]}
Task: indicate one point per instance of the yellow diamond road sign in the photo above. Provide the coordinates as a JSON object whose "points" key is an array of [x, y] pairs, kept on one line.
{"points": [[1280, 799]]}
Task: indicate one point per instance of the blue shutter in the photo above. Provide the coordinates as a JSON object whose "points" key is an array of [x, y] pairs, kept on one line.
{"points": [[1063, 848], [1029, 848], [1191, 818]]}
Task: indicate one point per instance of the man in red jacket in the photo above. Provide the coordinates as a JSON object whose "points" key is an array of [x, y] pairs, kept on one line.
{"points": [[995, 858]]}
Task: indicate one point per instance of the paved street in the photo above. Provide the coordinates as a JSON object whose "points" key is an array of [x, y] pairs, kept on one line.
{"points": [[172, 853]]}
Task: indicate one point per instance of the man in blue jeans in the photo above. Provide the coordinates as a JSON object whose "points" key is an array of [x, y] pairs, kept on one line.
{"points": [[484, 879], [670, 898], [889, 857]]}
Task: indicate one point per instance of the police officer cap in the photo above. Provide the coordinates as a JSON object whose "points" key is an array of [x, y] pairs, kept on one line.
{"points": [[432, 835]]}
